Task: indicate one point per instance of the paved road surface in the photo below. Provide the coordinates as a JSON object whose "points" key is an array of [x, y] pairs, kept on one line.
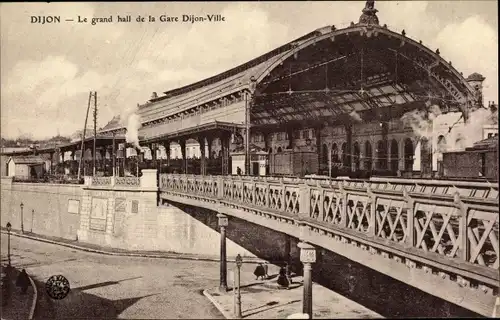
{"points": [[117, 287]]}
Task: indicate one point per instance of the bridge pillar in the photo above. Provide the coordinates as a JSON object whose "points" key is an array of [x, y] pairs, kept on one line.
{"points": [[223, 223], [307, 257]]}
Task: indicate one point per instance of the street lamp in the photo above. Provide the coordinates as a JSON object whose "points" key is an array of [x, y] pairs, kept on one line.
{"points": [[22, 217], [32, 219], [223, 223], [237, 312], [307, 257], [9, 226]]}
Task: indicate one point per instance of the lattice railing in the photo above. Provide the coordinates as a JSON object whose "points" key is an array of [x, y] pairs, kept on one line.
{"points": [[128, 181], [101, 181], [457, 221]]}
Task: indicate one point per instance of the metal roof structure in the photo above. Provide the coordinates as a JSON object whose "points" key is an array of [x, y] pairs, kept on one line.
{"points": [[326, 75]]}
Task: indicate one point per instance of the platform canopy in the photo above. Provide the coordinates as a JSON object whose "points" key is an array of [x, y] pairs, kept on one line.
{"points": [[363, 71]]}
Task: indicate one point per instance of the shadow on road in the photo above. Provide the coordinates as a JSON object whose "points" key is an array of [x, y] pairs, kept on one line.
{"points": [[82, 305]]}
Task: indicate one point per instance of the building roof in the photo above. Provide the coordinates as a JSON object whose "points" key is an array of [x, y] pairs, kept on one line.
{"points": [[317, 77], [29, 160]]}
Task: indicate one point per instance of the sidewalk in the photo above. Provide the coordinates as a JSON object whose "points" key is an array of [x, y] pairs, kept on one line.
{"points": [[18, 305], [88, 247], [261, 300]]}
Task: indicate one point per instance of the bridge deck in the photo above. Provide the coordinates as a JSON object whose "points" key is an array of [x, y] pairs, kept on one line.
{"points": [[445, 230]]}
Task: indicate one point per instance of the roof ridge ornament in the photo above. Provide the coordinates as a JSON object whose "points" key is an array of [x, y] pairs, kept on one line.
{"points": [[369, 15]]}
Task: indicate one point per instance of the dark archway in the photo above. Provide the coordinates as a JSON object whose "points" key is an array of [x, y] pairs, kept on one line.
{"points": [[394, 156], [409, 153], [356, 154], [279, 150], [381, 155], [368, 156]]}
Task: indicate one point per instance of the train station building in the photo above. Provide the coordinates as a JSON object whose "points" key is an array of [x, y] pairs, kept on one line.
{"points": [[335, 101]]}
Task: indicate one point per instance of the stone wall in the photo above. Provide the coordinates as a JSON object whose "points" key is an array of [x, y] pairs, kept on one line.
{"points": [[49, 209]]}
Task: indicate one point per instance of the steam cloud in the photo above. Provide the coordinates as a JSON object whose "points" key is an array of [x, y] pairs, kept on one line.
{"points": [[355, 116], [133, 124], [421, 122]]}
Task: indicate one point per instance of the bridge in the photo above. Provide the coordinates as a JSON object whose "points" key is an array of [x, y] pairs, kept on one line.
{"points": [[438, 236]]}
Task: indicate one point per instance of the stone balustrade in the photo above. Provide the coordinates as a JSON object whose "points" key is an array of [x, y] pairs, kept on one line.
{"points": [[450, 225], [148, 180]]}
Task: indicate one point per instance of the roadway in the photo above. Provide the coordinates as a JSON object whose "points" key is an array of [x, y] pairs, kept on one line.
{"points": [[116, 287]]}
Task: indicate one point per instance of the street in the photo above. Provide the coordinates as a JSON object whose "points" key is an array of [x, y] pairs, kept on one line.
{"points": [[117, 287]]}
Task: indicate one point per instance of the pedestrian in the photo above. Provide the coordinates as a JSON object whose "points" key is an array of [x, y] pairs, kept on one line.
{"points": [[23, 281], [282, 278], [266, 268], [259, 272]]}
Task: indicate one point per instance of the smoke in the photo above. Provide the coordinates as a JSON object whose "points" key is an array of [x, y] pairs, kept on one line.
{"points": [[472, 130], [132, 121], [355, 116], [421, 121], [459, 135]]}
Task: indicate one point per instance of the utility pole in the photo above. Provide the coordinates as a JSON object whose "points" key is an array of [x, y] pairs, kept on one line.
{"points": [[95, 134], [82, 154]]}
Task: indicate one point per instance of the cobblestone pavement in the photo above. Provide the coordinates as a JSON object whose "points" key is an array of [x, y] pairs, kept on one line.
{"points": [[118, 287]]}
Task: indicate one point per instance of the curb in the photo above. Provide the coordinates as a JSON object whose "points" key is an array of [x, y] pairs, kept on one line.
{"points": [[35, 299], [217, 305], [125, 254]]}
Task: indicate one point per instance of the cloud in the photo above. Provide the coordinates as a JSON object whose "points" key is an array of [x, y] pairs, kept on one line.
{"points": [[472, 46]]}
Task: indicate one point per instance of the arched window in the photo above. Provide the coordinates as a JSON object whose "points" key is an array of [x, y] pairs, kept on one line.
{"points": [[279, 150]]}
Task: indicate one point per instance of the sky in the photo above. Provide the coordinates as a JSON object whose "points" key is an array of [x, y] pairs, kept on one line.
{"points": [[47, 71]]}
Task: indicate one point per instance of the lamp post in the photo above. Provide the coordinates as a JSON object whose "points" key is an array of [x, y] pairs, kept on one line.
{"points": [[223, 223], [32, 219], [307, 257], [239, 262], [9, 226], [22, 217]]}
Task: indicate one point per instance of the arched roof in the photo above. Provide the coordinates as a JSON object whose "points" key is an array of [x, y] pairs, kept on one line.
{"points": [[366, 68]]}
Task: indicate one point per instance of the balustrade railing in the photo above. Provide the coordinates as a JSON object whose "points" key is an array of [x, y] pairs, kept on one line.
{"points": [[447, 221], [101, 181], [127, 181]]}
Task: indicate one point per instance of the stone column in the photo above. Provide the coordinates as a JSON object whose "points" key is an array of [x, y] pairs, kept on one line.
{"points": [[182, 143], [223, 223], [203, 162], [225, 152], [209, 146]]}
